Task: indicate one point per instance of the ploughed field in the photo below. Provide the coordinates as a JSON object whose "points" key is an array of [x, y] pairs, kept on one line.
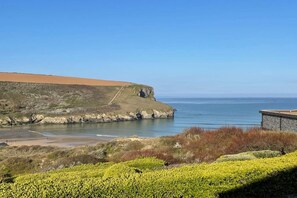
{"points": [[48, 79]]}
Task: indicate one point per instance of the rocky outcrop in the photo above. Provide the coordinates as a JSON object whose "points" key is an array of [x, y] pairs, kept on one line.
{"points": [[87, 118], [146, 92]]}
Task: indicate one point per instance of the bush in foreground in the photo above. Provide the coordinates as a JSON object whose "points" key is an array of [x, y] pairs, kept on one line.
{"points": [[268, 177]]}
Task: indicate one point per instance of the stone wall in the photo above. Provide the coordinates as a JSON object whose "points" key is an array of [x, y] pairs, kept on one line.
{"points": [[279, 123], [288, 124]]}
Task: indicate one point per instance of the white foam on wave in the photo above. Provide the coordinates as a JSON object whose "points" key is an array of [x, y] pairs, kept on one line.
{"points": [[102, 135]]}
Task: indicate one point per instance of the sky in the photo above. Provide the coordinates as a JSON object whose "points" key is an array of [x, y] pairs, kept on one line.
{"points": [[183, 48]]}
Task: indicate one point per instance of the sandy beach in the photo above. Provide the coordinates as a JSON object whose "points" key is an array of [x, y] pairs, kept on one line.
{"points": [[21, 136], [60, 141]]}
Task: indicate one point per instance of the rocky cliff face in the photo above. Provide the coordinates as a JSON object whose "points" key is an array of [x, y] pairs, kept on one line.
{"points": [[87, 118], [27, 103], [147, 92]]}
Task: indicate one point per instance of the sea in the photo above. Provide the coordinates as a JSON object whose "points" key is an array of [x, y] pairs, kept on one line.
{"points": [[207, 113]]}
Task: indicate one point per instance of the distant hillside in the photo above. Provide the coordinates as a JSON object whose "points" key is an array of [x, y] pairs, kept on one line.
{"points": [[29, 98]]}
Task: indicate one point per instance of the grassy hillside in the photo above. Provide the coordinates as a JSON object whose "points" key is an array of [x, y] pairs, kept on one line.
{"points": [[19, 101], [28, 98], [273, 177], [52, 99]]}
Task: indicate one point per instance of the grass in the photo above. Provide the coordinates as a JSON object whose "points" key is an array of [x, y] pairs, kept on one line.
{"points": [[45, 98]]}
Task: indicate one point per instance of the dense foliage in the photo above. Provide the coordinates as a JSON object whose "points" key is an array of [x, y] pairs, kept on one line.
{"points": [[192, 146], [149, 178], [199, 145]]}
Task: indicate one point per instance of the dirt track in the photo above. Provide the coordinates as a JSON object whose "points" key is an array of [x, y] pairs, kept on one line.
{"points": [[37, 78]]}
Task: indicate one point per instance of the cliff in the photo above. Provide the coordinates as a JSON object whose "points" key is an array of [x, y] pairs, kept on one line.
{"points": [[66, 100]]}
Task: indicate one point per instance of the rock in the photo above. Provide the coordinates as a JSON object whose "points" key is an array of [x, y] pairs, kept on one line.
{"points": [[3, 144], [74, 119], [146, 115], [133, 115], [113, 118], [54, 120], [124, 118], [22, 120], [138, 116], [92, 118], [159, 114], [146, 92], [10, 121], [3, 122], [35, 118]]}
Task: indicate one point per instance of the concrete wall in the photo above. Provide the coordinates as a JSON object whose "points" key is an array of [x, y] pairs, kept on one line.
{"points": [[279, 123]]}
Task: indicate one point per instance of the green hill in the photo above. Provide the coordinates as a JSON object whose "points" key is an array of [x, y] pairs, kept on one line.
{"points": [[23, 103]]}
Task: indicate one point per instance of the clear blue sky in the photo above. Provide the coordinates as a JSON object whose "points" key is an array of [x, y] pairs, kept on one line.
{"points": [[183, 48]]}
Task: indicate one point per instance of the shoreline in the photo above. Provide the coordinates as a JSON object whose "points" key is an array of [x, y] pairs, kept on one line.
{"points": [[31, 138], [57, 140]]}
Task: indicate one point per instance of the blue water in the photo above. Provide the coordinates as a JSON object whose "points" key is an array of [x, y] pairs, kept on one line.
{"points": [[213, 113], [207, 113]]}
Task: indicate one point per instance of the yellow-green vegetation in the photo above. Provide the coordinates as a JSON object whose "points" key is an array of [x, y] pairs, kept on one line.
{"points": [[266, 177], [249, 155]]}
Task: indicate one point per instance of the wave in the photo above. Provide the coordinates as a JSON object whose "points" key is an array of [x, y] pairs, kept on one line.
{"points": [[102, 135], [216, 102], [221, 124]]}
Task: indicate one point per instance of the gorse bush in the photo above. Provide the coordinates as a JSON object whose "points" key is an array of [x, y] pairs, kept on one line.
{"points": [[150, 163], [120, 170], [223, 179]]}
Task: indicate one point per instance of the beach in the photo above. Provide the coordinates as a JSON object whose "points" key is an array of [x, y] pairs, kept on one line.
{"points": [[22, 137]]}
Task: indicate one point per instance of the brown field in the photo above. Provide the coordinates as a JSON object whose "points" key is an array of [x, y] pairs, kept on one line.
{"points": [[37, 78]]}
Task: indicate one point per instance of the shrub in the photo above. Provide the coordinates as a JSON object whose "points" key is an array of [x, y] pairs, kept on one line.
{"points": [[164, 154], [146, 163], [6, 178], [249, 155], [120, 170], [76, 160], [208, 145], [17, 165], [268, 177]]}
